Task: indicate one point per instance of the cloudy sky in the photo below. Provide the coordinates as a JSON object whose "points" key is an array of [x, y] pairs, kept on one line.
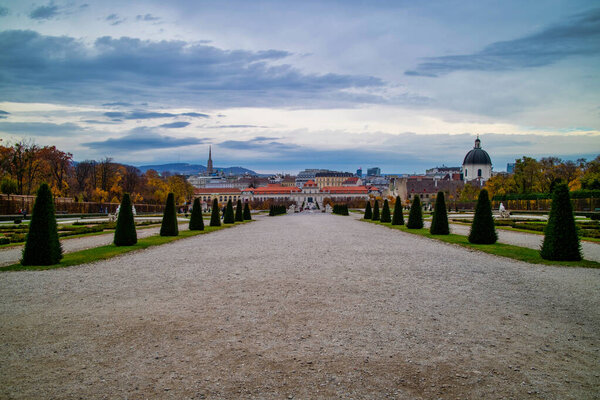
{"points": [[283, 86]]}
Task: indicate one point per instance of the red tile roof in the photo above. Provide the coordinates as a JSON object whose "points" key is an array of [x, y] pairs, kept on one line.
{"points": [[345, 189], [274, 188], [201, 191]]}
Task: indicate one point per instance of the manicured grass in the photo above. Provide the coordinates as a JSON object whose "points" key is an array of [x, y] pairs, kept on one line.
{"points": [[499, 249], [109, 251]]}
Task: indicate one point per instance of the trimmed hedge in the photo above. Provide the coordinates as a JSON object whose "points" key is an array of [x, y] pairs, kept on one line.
{"points": [[415, 217], [125, 234], [368, 211], [229, 217], [561, 242], [483, 230], [169, 222], [196, 220], [215, 218], [375, 216], [398, 216], [239, 212], [340, 209], [385, 212], [247, 214], [42, 246], [576, 194], [439, 222], [277, 209]]}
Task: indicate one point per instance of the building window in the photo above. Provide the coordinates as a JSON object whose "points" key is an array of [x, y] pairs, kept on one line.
{"points": [[479, 172], [220, 198], [465, 173]]}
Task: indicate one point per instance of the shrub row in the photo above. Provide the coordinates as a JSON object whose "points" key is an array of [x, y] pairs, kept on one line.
{"points": [[340, 209], [576, 194], [277, 210]]}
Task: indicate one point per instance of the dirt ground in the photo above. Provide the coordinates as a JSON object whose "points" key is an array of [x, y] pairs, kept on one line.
{"points": [[301, 306]]}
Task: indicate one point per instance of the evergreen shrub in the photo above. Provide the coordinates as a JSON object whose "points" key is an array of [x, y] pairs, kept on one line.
{"points": [[385, 212], [196, 220], [368, 211], [483, 230], [439, 222], [560, 237], [125, 234], [415, 217], [247, 214], [340, 209], [277, 209], [239, 211], [229, 217], [375, 216], [42, 246], [169, 222], [215, 218], [398, 216]]}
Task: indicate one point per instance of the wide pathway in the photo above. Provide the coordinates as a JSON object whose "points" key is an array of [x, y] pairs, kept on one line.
{"points": [[301, 306]]}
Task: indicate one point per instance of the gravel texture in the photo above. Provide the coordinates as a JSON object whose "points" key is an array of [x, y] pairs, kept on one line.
{"points": [[301, 306], [12, 255]]}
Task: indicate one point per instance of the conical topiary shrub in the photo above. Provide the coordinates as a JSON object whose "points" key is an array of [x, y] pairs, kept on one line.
{"points": [[375, 216], [368, 211], [415, 217], [560, 236], [169, 223], [483, 229], [247, 215], [125, 234], [385, 212], [42, 246], [439, 222], [196, 220], [229, 216], [239, 212], [398, 218], [215, 218]]}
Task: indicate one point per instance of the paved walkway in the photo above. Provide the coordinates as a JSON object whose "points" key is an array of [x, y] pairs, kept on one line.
{"points": [[301, 306]]}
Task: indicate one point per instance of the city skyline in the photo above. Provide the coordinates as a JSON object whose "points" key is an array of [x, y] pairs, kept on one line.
{"points": [[278, 87]]}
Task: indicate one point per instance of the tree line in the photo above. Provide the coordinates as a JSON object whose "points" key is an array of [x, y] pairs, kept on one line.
{"points": [[25, 165]]}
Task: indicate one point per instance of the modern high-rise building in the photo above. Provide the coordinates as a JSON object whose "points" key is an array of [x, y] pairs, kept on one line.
{"points": [[359, 172], [375, 171]]}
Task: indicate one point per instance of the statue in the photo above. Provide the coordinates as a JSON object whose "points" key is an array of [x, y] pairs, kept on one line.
{"points": [[503, 212]]}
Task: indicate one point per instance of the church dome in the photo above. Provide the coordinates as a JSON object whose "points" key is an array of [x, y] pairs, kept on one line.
{"points": [[477, 155]]}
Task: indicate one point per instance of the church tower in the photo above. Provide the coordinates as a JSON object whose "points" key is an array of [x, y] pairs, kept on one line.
{"points": [[209, 166]]}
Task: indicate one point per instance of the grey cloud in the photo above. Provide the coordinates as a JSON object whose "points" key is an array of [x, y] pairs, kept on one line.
{"points": [[4, 114], [117, 103], [3, 11], [147, 17], [44, 12], [150, 115], [180, 124], [237, 126], [63, 69], [264, 144], [579, 36], [140, 139], [40, 128]]}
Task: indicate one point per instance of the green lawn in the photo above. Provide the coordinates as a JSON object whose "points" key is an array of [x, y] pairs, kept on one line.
{"points": [[498, 249], [109, 251]]}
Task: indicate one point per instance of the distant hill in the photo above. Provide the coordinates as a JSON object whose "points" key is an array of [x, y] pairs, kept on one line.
{"points": [[191, 169]]}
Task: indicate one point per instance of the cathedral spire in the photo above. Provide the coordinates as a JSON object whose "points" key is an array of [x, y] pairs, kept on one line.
{"points": [[209, 164]]}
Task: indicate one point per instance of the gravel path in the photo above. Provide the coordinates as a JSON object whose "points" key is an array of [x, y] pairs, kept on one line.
{"points": [[12, 255], [301, 306]]}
